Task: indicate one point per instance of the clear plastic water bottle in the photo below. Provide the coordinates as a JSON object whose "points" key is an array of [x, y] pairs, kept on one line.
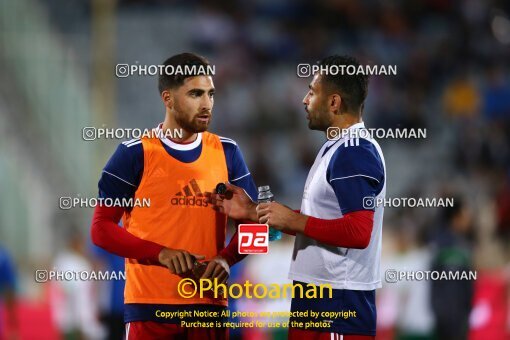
{"points": [[266, 196]]}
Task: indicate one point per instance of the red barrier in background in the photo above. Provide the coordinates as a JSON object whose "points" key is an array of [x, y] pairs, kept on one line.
{"points": [[489, 317]]}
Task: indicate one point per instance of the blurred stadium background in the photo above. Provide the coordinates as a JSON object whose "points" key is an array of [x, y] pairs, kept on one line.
{"points": [[57, 76]]}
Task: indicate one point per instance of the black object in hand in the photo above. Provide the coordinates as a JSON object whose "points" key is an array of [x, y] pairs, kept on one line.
{"points": [[199, 269], [221, 188]]}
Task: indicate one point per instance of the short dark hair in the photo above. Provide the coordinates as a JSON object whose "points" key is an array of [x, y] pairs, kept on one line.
{"points": [[353, 88], [166, 81]]}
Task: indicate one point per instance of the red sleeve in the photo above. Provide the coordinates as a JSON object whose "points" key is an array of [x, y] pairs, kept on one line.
{"points": [[106, 234], [353, 230], [231, 252]]}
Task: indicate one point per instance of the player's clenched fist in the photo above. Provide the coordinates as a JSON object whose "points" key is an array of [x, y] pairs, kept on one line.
{"points": [[178, 261]]}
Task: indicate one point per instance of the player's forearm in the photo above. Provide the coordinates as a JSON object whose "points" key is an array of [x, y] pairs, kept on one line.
{"points": [[293, 232], [294, 223], [106, 233], [353, 230], [252, 212]]}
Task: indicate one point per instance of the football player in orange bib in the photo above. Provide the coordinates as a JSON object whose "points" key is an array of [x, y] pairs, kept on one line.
{"points": [[162, 242]]}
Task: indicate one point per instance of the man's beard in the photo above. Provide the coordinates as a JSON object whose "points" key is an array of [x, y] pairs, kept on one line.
{"points": [[318, 122], [193, 125]]}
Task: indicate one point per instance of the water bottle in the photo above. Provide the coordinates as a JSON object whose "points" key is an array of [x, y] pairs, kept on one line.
{"points": [[265, 196]]}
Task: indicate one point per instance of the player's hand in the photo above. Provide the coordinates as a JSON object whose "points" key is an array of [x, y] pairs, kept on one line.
{"points": [[217, 268], [178, 261], [281, 217], [235, 203]]}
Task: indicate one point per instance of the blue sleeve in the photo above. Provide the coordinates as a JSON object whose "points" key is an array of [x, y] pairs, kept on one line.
{"points": [[7, 273], [238, 173], [355, 172], [123, 172]]}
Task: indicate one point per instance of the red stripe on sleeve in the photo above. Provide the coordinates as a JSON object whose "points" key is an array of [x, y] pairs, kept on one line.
{"points": [[231, 252], [353, 230], [106, 234]]}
